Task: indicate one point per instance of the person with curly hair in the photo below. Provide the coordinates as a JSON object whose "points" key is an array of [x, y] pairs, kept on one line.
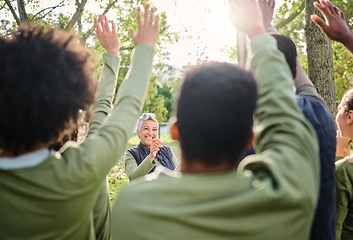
{"points": [[46, 78]]}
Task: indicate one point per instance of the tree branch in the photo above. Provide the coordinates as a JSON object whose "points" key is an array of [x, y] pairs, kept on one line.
{"points": [[291, 17], [77, 15], [13, 12], [51, 9], [90, 31]]}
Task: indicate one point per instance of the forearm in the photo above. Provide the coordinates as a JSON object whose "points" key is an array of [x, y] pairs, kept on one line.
{"points": [[348, 42], [133, 170], [105, 92]]}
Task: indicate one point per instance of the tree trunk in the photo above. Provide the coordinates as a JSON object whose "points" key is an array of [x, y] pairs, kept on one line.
{"points": [[22, 10], [242, 49], [320, 59]]}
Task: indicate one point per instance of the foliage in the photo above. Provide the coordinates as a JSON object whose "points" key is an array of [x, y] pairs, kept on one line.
{"points": [[81, 22], [295, 29], [343, 70], [155, 103], [117, 179], [168, 94]]}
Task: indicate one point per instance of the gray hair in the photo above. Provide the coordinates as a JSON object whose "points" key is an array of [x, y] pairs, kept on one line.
{"points": [[144, 117]]}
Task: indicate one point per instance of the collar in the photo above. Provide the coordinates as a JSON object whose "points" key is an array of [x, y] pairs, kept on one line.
{"points": [[25, 160]]}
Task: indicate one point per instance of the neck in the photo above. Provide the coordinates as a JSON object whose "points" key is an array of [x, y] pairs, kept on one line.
{"points": [[21, 150], [198, 166]]}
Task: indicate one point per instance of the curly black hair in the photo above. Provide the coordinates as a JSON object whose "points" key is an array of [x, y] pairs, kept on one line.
{"points": [[46, 76]]}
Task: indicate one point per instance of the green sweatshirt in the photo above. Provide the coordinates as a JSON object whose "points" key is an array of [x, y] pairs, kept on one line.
{"points": [[272, 196], [54, 199], [102, 107], [344, 199]]}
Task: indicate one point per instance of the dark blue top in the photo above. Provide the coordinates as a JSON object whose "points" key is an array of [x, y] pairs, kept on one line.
{"points": [[324, 224]]}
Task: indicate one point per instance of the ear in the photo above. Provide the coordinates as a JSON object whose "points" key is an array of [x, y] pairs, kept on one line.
{"points": [[137, 132], [350, 117], [174, 131], [249, 142]]}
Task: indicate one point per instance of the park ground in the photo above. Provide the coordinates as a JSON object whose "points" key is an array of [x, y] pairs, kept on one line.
{"points": [[117, 177]]}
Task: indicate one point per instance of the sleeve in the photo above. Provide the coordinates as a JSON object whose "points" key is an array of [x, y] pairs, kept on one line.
{"points": [[105, 92], [99, 152], [302, 83], [286, 142], [133, 170], [175, 160], [102, 212], [343, 196]]}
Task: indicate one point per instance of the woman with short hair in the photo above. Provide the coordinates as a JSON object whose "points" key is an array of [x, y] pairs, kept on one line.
{"points": [[143, 158]]}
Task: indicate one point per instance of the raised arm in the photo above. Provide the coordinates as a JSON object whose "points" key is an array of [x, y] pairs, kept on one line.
{"points": [[334, 26], [99, 151], [108, 38], [286, 143]]}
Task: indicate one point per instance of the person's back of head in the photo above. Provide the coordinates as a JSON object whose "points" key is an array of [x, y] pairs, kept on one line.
{"points": [[45, 77], [288, 48], [215, 113]]}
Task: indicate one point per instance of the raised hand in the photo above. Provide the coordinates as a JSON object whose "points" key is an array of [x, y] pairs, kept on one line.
{"points": [[147, 30], [155, 146], [334, 26], [246, 16], [267, 8], [106, 35]]}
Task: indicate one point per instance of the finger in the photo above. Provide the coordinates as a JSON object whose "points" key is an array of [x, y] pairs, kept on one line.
{"points": [[147, 7], [326, 9], [151, 15], [273, 3], [97, 26], [330, 7], [321, 8], [339, 12], [156, 23], [132, 32], [101, 22], [139, 17], [105, 23], [113, 26], [319, 22]]}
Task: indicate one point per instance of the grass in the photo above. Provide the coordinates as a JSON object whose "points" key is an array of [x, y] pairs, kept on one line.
{"points": [[117, 178]]}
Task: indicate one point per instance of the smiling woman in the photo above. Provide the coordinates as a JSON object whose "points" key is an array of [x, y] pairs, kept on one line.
{"points": [[143, 158]]}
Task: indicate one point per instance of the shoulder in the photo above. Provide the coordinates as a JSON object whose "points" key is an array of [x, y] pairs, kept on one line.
{"points": [[167, 148], [344, 165], [159, 174], [131, 150], [316, 113]]}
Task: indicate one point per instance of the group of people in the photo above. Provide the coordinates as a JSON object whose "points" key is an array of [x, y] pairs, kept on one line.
{"points": [[284, 189]]}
